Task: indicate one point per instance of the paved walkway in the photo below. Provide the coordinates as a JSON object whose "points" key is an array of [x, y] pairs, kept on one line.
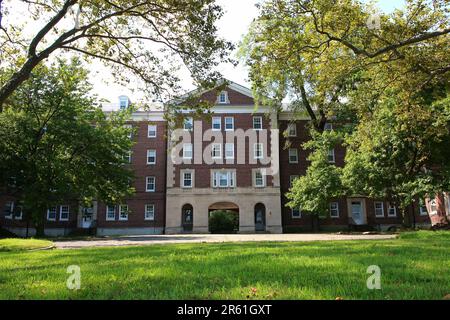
{"points": [[209, 238]]}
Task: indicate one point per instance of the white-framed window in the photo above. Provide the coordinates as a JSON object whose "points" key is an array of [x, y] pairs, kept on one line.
{"points": [[379, 209], [129, 127], [257, 123], [331, 157], [152, 131], [334, 209], [433, 207], [51, 213], [291, 180], [123, 212], [8, 210], [392, 210], [64, 212], [223, 97], [216, 123], [151, 156], [423, 211], [293, 155], [296, 213], [18, 214], [187, 151], [187, 179], [328, 127], [292, 130], [258, 151], [260, 179], [110, 213], [188, 124], [127, 157], [123, 102], [229, 123], [149, 212], [150, 184], [229, 150], [224, 179], [216, 151]]}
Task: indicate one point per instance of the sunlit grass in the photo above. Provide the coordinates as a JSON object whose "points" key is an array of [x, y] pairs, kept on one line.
{"points": [[23, 244]]}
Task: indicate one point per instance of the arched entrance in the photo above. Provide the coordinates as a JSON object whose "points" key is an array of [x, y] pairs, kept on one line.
{"points": [[260, 217], [223, 217], [187, 218]]}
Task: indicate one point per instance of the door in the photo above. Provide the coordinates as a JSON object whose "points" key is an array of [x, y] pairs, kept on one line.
{"points": [[357, 212], [187, 218], [87, 217], [260, 217]]}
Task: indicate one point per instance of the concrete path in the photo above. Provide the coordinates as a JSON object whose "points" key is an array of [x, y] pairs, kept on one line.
{"points": [[209, 238]]}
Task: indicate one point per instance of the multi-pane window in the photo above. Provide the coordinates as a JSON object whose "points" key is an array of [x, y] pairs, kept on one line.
{"points": [[151, 156], [8, 210], [188, 124], [392, 210], [334, 210], [422, 208], [257, 123], [293, 155], [224, 179], [18, 212], [217, 123], [223, 97], [64, 213], [291, 180], [296, 213], [187, 150], [433, 207], [187, 179], [229, 123], [152, 131], [127, 157], [110, 213], [379, 209], [331, 157], [229, 150], [123, 212], [216, 151], [292, 130], [129, 128], [258, 150], [259, 179], [51, 214], [328, 127], [150, 184], [150, 212], [123, 103]]}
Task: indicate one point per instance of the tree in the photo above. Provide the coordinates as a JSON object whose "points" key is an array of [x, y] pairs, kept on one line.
{"points": [[139, 37], [56, 144]]}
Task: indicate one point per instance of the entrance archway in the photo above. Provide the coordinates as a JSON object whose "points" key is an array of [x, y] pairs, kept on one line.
{"points": [[260, 217], [223, 217], [187, 218]]}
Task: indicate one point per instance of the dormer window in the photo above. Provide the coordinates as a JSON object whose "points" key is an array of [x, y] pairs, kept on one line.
{"points": [[124, 102], [223, 98]]}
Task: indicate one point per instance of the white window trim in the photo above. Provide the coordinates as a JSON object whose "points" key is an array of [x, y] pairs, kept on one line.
{"points": [[331, 152], [255, 149], [146, 211], [263, 176], [129, 126], [184, 150], [120, 210], [48, 214], [11, 212], [146, 184], [291, 180], [296, 155], [389, 211], [60, 212], [261, 121], [421, 212], [220, 151], [226, 156], [231, 179], [188, 120], [220, 124], [299, 212], [290, 126], [148, 130], [21, 213], [232, 122], [106, 215], [183, 172], [148, 156], [227, 100], [328, 126], [375, 209], [337, 210]]}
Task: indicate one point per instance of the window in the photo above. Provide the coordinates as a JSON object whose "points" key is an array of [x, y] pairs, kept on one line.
{"points": [[187, 179], [123, 102], [328, 127], [110, 213], [223, 179], [392, 210], [129, 128], [187, 151], [331, 158], [188, 124], [151, 156], [229, 123], [216, 151], [296, 213], [64, 213], [223, 97], [292, 130], [217, 123], [51, 214], [291, 180], [152, 131], [8, 210], [334, 210], [258, 150], [422, 208], [229, 150], [150, 184], [127, 157], [293, 156], [149, 212], [123, 212], [259, 179], [18, 212], [379, 209], [257, 123], [433, 207]]}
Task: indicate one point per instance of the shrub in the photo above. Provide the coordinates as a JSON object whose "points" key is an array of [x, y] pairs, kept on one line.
{"points": [[223, 221]]}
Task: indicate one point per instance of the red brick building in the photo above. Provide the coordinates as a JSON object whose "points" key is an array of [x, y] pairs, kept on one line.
{"points": [[237, 158]]}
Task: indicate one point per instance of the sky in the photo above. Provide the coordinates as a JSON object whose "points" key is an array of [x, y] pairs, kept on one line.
{"points": [[238, 14]]}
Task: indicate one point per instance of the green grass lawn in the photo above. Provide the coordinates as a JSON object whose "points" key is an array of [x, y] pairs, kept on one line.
{"points": [[12, 245], [416, 266]]}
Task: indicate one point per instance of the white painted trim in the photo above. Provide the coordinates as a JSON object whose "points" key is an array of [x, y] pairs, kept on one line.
{"points": [[60, 212], [148, 152], [120, 210], [146, 184], [375, 209], [145, 213], [337, 209], [106, 213]]}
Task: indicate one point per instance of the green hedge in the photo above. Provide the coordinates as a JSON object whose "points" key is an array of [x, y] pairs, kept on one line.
{"points": [[223, 221]]}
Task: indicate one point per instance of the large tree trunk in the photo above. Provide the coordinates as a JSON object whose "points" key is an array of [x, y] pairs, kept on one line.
{"points": [[39, 223], [437, 212]]}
